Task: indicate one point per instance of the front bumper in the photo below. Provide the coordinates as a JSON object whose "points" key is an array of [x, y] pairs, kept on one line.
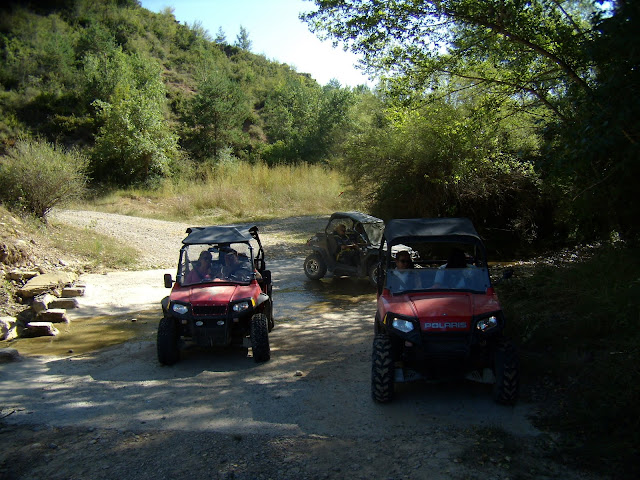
{"points": [[214, 325], [440, 353]]}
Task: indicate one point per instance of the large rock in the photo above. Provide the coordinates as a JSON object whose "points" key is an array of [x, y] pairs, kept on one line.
{"points": [[40, 329], [41, 302], [65, 303], [70, 292], [53, 315], [8, 328], [46, 282], [20, 275], [9, 355]]}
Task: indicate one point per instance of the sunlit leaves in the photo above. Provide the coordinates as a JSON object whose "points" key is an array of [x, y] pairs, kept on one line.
{"points": [[133, 143], [215, 114], [534, 50]]}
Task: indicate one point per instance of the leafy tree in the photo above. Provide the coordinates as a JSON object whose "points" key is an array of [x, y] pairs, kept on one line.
{"points": [[242, 39], [289, 112], [593, 159], [305, 122], [444, 159], [216, 114], [531, 50], [202, 33], [221, 37], [553, 60], [133, 143], [95, 39], [330, 124]]}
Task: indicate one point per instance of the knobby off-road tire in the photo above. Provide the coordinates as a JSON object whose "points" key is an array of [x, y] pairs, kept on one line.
{"points": [[314, 267], [507, 373], [373, 274], [270, 321], [382, 369], [167, 342], [260, 338], [376, 325]]}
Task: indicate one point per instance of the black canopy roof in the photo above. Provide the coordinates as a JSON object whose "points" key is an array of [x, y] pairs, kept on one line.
{"points": [[436, 229], [357, 216], [217, 234]]}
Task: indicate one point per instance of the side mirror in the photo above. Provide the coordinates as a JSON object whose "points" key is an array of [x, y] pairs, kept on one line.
{"points": [[168, 281]]}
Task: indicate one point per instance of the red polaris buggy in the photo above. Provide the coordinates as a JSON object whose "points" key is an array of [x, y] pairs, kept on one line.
{"points": [[221, 296], [438, 315]]}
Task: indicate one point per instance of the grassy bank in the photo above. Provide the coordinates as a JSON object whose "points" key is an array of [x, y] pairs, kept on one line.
{"points": [[233, 192], [25, 239], [577, 320]]}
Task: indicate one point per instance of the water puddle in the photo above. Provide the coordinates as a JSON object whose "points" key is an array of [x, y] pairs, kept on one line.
{"points": [[294, 301], [90, 334]]}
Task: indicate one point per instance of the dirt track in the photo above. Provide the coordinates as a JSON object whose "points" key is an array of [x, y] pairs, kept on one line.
{"points": [[307, 413]]}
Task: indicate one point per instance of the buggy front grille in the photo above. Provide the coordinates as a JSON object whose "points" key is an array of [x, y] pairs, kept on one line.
{"points": [[209, 310], [444, 345]]}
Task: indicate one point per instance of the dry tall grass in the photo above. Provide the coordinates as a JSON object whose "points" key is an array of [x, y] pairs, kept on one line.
{"points": [[235, 191]]}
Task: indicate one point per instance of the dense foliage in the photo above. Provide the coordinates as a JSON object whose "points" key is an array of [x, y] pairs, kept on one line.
{"points": [[567, 68], [514, 113], [144, 94], [585, 344]]}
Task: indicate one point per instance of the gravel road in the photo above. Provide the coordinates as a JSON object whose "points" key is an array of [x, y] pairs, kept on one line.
{"points": [[307, 413]]}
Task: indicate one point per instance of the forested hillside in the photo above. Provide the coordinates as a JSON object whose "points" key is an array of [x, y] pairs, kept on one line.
{"points": [[520, 115], [143, 92]]}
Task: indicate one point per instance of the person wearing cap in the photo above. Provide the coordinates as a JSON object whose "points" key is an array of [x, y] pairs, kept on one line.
{"points": [[202, 270]]}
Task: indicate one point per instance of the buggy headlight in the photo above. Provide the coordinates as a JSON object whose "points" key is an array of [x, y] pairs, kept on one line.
{"points": [[403, 325], [241, 307], [488, 323], [179, 308]]}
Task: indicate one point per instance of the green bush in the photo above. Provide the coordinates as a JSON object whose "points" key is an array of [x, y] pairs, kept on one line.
{"points": [[576, 319], [35, 176]]}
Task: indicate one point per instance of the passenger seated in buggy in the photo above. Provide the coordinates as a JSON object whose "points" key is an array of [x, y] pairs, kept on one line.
{"points": [[202, 270], [404, 277], [347, 250]]}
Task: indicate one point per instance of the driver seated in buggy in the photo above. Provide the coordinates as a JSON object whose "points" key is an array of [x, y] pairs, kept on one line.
{"points": [[346, 248], [455, 267], [236, 265]]}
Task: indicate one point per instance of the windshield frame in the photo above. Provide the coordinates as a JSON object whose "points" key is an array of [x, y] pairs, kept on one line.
{"points": [[471, 279], [189, 254], [430, 254]]}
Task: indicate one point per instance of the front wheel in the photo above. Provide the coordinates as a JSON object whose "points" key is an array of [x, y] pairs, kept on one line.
{"points": [[373, 273], [382, 369], [507, 373], [260, 338], [270, 321], [167, 342], [314, 267]]}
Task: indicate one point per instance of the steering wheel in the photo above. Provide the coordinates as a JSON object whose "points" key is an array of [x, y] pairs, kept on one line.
{"points": [[241, 274]]}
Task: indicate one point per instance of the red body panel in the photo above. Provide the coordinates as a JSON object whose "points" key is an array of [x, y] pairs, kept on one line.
{"points": [[213, 294], [440, 311]]}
